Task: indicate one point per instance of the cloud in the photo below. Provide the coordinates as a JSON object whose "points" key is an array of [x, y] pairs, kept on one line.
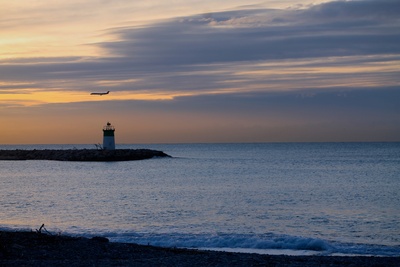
{"points": [[303, 74], [385, 10], [334, 115], [337, 44], [332, 29]]}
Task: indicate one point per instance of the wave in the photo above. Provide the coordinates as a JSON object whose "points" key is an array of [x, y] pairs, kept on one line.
{"points": [[285, 244], [270, 243]]}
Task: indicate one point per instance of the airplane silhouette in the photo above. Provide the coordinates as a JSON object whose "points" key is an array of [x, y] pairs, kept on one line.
{"points": [[100, 93]]}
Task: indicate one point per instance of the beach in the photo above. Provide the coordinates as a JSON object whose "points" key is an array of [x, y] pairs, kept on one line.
{"points": [[42, 249], [311, 202]]}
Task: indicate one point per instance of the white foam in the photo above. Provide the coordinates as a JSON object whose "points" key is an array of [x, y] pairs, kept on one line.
{"points": [[289, 252], [270, 244]]}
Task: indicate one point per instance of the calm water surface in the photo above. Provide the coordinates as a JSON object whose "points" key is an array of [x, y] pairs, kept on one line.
{"points": [[307, 198]]}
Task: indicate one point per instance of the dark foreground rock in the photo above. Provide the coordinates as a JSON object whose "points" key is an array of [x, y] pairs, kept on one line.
{"points": [[81, 154], [38, 249]]}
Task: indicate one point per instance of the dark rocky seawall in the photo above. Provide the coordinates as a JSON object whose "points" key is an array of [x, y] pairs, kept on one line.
{"points": [[81, 154]]}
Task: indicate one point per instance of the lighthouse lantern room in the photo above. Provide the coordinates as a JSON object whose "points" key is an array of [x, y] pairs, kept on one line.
{"points": [[108, 137]]}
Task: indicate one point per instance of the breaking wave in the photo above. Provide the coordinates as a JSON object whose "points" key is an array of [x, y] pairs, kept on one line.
{"points": [[255, 243]]}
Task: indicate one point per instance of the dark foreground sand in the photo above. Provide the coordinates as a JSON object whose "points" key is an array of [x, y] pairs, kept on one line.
{"points": [[38, 249]]}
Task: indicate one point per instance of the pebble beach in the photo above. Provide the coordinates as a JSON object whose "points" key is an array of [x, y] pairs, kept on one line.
{"points": [[41, 249]]}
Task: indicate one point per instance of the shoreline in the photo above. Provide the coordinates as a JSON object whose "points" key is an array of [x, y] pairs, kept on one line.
{"points": [[81, 154], [22, 248]]}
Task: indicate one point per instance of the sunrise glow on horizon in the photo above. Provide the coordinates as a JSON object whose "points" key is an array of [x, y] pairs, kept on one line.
{"points": [[200, 71]]}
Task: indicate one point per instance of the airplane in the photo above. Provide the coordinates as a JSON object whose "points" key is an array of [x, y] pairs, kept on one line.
{"points": [[100, 93]]}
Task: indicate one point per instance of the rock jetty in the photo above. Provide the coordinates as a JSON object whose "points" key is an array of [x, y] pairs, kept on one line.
{"points": [[81, 154]]}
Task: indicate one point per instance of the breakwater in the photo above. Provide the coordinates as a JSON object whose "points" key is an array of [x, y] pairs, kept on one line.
{"points": [[81, 154]]}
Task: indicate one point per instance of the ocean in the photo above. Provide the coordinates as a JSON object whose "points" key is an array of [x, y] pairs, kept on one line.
{"points": [[270, 198]]}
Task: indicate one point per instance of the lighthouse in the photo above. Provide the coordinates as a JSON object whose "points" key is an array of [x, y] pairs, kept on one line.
{"points": [[108, 137]]}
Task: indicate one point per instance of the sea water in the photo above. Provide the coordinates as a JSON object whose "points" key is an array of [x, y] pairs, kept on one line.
{"points": [[274, 198]]}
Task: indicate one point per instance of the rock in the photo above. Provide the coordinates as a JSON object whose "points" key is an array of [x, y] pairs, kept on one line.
{"points": [[35, 249], [81, 154], [100, 239]]}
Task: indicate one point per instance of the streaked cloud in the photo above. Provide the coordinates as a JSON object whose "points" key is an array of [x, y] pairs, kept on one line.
{"points": [[257, 67]]}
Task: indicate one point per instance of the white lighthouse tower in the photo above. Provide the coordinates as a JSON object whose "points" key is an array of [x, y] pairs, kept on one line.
{"points": [[108, 137]]}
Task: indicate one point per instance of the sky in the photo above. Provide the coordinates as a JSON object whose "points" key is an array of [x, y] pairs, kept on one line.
{"points": [[199, 71]]}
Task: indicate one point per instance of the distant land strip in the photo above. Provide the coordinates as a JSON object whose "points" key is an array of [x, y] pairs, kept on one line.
{"points": [[81, 154]]}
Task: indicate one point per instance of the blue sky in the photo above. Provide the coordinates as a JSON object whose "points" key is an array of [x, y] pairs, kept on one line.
{"points": [[193, 71]]}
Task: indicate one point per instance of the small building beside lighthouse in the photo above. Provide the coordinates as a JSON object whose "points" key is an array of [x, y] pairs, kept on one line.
{"points": [[108, 137]]}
